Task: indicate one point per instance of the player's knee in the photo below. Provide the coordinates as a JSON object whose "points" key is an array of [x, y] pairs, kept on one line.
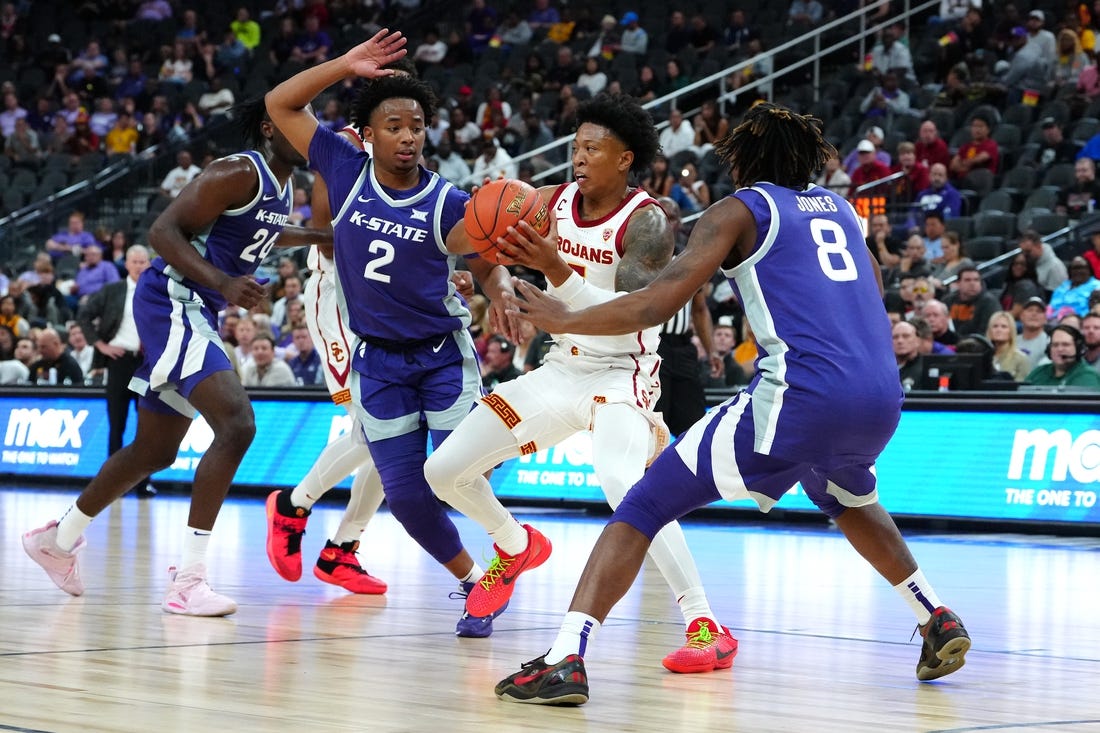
{"points": [[445, 478], [235, 432]]}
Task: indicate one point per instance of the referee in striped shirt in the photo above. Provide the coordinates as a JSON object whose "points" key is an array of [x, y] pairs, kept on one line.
{"points": [[683, 400]]}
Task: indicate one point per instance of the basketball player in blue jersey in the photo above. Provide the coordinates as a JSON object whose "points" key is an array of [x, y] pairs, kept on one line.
{"points": [[824, 401], [395, 226], [608, 236], [210, 240]]}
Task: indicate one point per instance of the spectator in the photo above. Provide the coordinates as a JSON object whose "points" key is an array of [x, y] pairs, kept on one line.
{"points": [[122, 138], [246, 30], [88, 69], [593, 78], [1066, 368], [930, 147], [494, 102], [1040, 38], [834, 177], [702, 36], [1050, 271], [134, 84], [451, 165], [710, 127], [939, 318], [493, 162], [1070, 61], [10, 318], [761, 66], [26, 352], [1053, 148], [870, 169], [1028, 71], [954, 260], [1080, 197], [677, 36], [54, 365], [1033, 338], [189, 31], [907, 352], [916, 178], [876, 136], [263, 369], [514, 31], [885, 101], [481, 24], [177, 178], [230, 57], [305, 364], [933, 237], [94, 273], [1021, 284], [737, 34], [12, 111], [690, 193], [282, 45], [178, 68], [217, 99], [634, 38], [979, 152], [1072, 295], [431, 51], [1001, 332], [80, 349], [675, 78], [464, 134], [971, 306], [678, 136], [647, 86], [892, 54], [724, 338], [71, 240], [1090, 331], [940, 197], [23, 146], [45, 303], [83, 141], [542, 17], [883, 245], [312, 45], [913, 262], [658, 182], [292, 291], [497, 365], [563, 73], [41, 118]]}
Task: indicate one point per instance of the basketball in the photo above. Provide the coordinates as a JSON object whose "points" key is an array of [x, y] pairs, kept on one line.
{"points": [[498, 205]]}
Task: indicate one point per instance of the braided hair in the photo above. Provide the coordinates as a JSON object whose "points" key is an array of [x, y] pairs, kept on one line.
{"points": [[249, 116], [776, 145]]}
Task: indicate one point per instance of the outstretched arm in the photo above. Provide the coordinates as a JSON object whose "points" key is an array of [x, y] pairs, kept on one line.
{"points": [[719, 237], [288, 103]]}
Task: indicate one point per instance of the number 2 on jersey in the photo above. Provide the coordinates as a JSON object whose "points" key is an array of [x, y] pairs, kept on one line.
{"points": [[384, 252], [832, 245]]}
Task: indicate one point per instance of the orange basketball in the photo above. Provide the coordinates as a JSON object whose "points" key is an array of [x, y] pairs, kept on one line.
{"points": [[498, 205]]}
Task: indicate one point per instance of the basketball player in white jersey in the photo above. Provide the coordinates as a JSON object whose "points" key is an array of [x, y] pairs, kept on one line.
{"points": [[610, 237]]}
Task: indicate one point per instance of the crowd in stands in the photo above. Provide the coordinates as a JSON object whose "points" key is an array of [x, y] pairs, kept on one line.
{"points": [[965, 135]]}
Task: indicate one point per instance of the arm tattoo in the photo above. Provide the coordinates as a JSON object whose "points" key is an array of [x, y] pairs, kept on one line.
{"points": [[648, 243]]}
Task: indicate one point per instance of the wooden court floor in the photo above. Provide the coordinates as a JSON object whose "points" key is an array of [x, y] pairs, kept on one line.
{"points": [[825, 643]]}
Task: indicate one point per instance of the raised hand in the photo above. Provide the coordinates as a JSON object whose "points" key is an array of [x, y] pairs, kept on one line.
{"points": [[368, 58]]}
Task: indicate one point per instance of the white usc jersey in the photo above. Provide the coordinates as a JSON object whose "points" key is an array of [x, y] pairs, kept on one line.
{"points": [[594, 250]]}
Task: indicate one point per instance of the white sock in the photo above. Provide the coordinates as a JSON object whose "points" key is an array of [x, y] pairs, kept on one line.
{"points": [[69, 528], [475, 574], [694, 604], [919, 594], [511, 537], [195, 543], [576, 630], [337, 460]]}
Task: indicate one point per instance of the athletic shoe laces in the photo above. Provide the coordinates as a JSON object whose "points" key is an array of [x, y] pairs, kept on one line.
{"points": [[497, 568], [701, 637]]}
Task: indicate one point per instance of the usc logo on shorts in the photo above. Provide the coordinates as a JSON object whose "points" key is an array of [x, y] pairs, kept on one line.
{"points": [[337, 351]]}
